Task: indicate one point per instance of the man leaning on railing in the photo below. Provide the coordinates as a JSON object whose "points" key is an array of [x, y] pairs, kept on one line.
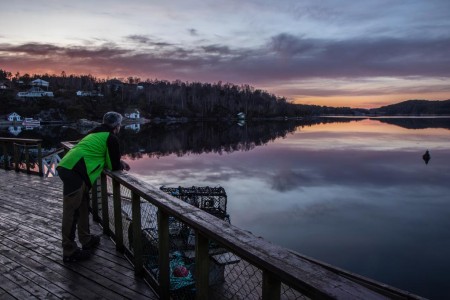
{"points": [[78, 170]]}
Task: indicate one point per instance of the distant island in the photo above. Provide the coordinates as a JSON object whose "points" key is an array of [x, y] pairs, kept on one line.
{"points": [[68, 98]]}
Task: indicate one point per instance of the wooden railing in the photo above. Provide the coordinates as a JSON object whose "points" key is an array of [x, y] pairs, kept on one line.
{"points": [[12, 150], [278, 270]]}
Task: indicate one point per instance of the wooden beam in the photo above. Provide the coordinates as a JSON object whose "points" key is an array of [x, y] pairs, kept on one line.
{"points": [[163, 255], [118, 227], [137, 233], [201, 266], [105, 213], [39, 158], [94, 197], [271, 287]]}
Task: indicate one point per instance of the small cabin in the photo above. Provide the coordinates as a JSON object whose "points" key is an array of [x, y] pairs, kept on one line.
{"points": [[34, 92], [132, 114], [133, 127], [15, 130], [89, 94], [14, 117], [40, 82], [5, 85]]}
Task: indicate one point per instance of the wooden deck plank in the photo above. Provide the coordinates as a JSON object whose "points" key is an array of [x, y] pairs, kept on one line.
{"points": [[49, 230], [117, 274], [31, 254], [13, 289], [69, 282]]}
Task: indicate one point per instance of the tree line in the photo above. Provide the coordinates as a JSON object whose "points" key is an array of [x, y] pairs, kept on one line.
{"points": [[155, 98]]}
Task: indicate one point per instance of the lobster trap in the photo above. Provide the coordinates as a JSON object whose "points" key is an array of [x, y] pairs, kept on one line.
{"points": [[213, 200]]}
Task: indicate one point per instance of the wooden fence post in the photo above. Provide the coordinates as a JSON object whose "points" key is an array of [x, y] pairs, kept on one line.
{"points": [[271, 287], [105, 208], [16, 158], [163, 255], [39, 157], [94, 203], [5, 156], [118, 216], [201, 266], [137, 233], [27, 158]]}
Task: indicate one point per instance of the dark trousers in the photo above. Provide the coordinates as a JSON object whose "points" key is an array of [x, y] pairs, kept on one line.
{"points": [[75, 211]]}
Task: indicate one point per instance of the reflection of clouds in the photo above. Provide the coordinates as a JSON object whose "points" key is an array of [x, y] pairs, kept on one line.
{"points": [[286, 169], [355, 200], [287, 179]]}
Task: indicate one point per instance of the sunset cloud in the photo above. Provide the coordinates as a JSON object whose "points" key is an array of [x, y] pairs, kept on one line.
{"points": [[278, 49]]}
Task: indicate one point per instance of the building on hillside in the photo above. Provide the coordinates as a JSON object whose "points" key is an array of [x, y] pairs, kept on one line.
{"points": [[140, 86], [89, 94], [14, 117], [136, 127], [5, 85], [40, 82], [35, 92], [15, 130], [132, 113]]}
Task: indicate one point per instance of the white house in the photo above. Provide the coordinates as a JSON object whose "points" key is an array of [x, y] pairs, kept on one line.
{"points": [[132, 114], [34, 92], [12, 117], [40, 82], [134, 127], [89, 94], [4, 85], [15, 130]]}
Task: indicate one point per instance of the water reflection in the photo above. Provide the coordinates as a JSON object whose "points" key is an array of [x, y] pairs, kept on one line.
{"points": [[353, 193]]}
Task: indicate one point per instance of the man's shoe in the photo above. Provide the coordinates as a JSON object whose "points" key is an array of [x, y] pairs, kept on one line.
{"points": [[78, 255], [93, 242]]}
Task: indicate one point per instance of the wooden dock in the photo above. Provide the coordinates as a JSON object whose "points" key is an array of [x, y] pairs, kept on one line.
{"points": [[31, 263]]}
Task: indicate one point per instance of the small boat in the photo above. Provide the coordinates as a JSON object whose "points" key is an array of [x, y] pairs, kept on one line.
{"points": [[426, 157], [31, 122]]}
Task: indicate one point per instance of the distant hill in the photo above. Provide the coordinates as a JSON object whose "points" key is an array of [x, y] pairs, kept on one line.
{"points": [[414, 107]]}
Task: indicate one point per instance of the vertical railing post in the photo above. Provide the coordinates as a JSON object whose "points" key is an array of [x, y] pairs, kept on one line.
{"points": [[16, 157], [5, 156], [163, 255], [94, 203], [137, 233], [118, 216], [271, 287], [27, 158], [105, 208], [40, 166], [201, 266]]}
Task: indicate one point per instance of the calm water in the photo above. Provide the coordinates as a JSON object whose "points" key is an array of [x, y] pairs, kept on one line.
{"points": [[357, 195]]}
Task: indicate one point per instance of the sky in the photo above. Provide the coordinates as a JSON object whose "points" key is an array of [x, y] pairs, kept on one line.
{"points": [[365, 53]]}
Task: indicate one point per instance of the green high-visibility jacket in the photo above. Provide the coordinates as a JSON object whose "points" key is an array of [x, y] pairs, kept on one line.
{"points": [[96, 151]]}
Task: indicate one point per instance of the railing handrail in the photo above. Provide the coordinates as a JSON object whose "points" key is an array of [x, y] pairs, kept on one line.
{"points": [[56, 151], [310, 277], [26, 143], [19, 140]]}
